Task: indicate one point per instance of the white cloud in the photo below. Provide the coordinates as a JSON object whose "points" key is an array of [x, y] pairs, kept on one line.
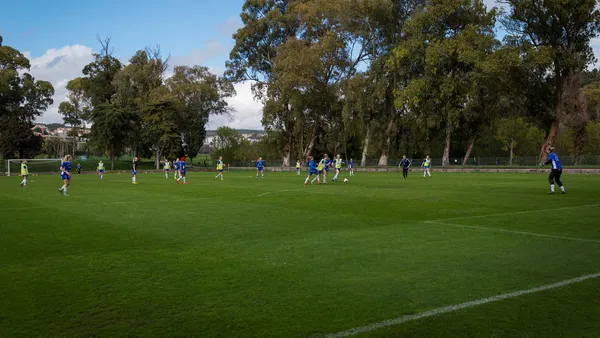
{"points": [[213, 48], [230, 26], [59, 66], [248, 111]]}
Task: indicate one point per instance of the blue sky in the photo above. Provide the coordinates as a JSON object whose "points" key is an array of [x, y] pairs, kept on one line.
{"points": [[59, 38], [178, 26]]}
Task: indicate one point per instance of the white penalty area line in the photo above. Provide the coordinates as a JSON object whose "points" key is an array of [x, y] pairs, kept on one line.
{"points": [[452, 308], [512, 231], [516, 212]]}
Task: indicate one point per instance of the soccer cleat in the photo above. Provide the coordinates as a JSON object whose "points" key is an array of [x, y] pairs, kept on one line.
{"points": [[21, 185], [305, 184], [185, 183], [60, 191], [176, 182], [550, 192], [563, 192]]}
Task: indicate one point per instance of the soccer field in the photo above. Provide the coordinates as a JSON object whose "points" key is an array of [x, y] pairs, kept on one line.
{"points": [[247, 257]]}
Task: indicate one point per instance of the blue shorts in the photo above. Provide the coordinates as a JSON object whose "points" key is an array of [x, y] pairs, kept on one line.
{"points": [[182, 172], [297, 169], [350, 167], [220, 170], [101, 171], [426, 167], [326, 169], [166, 169], [338, 169], [133, 173], [65, 176], [260, 169], [313, 171]]}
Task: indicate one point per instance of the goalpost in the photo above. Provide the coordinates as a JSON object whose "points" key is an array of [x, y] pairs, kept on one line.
{"points": [[35, 166]]}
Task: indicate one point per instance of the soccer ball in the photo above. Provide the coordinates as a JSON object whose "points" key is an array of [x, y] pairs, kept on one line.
{"points": [[345, 180]]}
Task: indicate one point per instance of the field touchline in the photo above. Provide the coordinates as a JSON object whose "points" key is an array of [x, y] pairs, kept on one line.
{"points": [[452, 308], [515, 212], [512, 231]]}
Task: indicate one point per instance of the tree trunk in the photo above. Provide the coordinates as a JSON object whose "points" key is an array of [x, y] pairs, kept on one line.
{"points": [[363, 161], [157, 159], [511, 152], [287, 152], [550, 138], [112, 158], [469, 149], [446, 157], [311, 143], [286, 159], [74, 133], [383, 159]]}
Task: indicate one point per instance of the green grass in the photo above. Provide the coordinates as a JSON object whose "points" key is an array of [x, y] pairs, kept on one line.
{"points": [[242, 257]]}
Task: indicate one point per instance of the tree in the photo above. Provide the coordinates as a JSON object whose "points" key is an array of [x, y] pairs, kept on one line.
{"points": [[22, 99], [75, 111], [159, 121], [134, 87], [445, 43], [564, 28], [515, 131], [110, 129], [203, 95], [111, 123], [227, 143]]}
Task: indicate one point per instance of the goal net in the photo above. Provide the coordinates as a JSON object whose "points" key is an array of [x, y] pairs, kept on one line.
{"points": [[35, 166]]}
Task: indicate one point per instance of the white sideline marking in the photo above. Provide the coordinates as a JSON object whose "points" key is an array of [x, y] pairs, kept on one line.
{"points": [[516, 212], [513, 231], [452, 308], [263, 194]]}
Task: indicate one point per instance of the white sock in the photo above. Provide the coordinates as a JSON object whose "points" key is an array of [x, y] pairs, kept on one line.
{"points": [[133, 179], [314, 179], [552, 187], [102, 176], [306, 180], [64, 190], [184, 180], [166, 175], [429, 173], [424, 173], [562, 188], [178, 179], [263, 175]]}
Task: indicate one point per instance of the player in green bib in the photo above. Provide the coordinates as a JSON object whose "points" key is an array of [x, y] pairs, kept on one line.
{"points": [[426, 165], [298, 168], [166, 168], [220, 168], [100, 170], [338, 166], [24, 173]]}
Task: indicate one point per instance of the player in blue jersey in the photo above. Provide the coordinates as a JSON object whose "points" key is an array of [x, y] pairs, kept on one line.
{"points": [[351, 167], [65, 174], [556, 170], [182, 171], [405, 164], [326, 165], [176, 168], [78, 167], [134, 170], [312, 170], [260, 168]]}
